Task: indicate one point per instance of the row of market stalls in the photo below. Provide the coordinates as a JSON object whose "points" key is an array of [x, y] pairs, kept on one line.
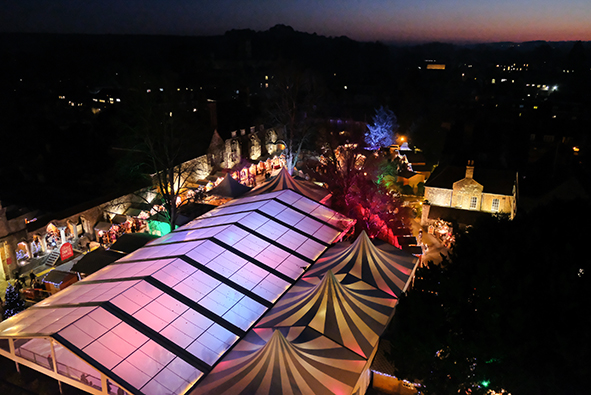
{"points": [[229, 188], [260, 276], [56, 280], [244, 173]]}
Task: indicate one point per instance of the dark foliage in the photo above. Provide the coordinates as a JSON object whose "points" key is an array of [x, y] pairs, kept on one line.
{"points": [[509, 307]]}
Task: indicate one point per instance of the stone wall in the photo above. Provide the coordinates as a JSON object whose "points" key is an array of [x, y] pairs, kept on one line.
{"points": [[255, 146], [505, 203], [463, 192], [438, 196], [426, 208], [199, 167]]}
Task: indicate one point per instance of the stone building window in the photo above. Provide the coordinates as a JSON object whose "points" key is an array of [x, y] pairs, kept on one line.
{"points": [[495, 205], [473, 202]]}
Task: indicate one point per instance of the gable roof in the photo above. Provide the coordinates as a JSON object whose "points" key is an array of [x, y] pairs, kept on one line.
{"points": [[129, 242], [96, 260], [494, 181]]}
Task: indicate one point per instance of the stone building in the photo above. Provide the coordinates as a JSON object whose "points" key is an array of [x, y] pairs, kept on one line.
{"points": [[29, 238], [226, 151], [456, 191]]}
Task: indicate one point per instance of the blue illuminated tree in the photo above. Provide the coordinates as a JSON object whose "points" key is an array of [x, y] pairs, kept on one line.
{"points": [[381, 133], [13, 303]]}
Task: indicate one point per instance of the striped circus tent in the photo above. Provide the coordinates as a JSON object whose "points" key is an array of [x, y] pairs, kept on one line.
{"points": [[351, 315], [387, 269], [284, 180], [286, 361]]}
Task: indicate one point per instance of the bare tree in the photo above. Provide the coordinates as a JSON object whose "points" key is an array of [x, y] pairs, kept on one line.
{"points": [[292, 98], [167, 142]]}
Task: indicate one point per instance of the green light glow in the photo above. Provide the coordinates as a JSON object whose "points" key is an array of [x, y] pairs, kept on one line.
{"points": [[158, 228], [485, 383]]}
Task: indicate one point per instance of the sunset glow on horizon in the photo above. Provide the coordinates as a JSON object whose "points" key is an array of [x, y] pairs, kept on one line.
{"points": [[371, 20]]}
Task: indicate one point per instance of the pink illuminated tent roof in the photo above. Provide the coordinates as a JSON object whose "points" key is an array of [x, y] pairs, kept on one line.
{"points": [[343, 313], [157, 320]]}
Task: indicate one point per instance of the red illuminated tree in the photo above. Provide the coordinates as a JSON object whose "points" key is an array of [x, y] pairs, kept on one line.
{"points": [[352, 177]]}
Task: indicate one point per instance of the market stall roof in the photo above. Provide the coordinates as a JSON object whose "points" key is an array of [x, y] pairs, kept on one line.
{"points": [[387, 270], [159, 318], [57, 276], [118, 219], [284, 181], [133, 212], [96, 260], [286, 361], [104, 226], [229, 187], [136, 208], [129, 242]]}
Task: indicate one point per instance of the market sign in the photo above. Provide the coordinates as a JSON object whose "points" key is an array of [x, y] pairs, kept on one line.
{"points": [[66, 251]]}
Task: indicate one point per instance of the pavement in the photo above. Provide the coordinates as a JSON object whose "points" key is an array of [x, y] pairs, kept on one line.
{"points": [[39, 271]]}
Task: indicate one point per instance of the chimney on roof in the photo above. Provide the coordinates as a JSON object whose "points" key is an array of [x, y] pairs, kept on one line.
{"points": [[470, 169]]}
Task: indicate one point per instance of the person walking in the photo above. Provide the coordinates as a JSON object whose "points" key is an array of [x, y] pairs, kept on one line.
{"points": [[32, 277]]}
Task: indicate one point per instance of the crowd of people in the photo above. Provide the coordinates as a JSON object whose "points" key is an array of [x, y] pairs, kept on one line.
{"points": [[443, 231], [109, 237]]}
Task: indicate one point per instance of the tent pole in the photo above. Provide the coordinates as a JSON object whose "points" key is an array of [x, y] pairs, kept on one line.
{"points": [[13, 352], [54, 361]]}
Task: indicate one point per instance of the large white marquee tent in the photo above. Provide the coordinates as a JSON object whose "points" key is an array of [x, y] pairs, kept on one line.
{"points": [[220, 306], [158, 319]]}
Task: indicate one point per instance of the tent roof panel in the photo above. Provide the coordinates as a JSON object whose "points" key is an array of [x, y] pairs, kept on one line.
{"points": [[229, 187], [386, 269], [353, 318], [299, 360]]}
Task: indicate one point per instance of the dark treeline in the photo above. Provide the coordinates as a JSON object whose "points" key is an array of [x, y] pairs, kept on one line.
{"points": [[452, 114]]}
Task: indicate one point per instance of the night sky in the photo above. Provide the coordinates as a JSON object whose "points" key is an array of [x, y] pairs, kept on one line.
{"points": [[384, 20]]}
